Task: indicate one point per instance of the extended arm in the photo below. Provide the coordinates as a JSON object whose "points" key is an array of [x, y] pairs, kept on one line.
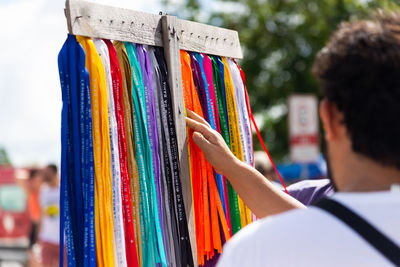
{"points": [[260, 195]]}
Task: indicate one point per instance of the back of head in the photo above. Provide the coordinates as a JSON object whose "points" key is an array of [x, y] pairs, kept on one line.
{"points": [[261, 162], [33, 173], [51, 173], [52, 168], [35, 179], [359, 71]]}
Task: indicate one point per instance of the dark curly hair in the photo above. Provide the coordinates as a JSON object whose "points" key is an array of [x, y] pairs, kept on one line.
{"points": [[359, 71]]}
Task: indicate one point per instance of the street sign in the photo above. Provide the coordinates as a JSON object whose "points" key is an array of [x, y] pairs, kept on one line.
{"points": [[303, 128]]}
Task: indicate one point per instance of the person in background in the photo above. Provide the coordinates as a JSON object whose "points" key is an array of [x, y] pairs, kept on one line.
{"points": [[264, 166], [49, 198], [35, 180], [358, 71], [307, 191]]}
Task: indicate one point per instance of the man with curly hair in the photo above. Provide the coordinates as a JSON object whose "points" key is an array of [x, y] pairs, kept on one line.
{"points": [[359, 76]]}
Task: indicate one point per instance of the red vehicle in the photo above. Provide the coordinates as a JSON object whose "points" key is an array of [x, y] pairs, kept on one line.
{"points": [[15, 223]]}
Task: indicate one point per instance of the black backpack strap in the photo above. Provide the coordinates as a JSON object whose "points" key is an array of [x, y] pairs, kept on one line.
{"points": [[368, 232]]}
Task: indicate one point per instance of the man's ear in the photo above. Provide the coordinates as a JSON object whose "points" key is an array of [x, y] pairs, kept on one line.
{"points": [[332, 120], [325, 114]]}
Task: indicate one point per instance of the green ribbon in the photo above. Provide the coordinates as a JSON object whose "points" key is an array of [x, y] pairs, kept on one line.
{"points": [[232, 195], [145, 165]]}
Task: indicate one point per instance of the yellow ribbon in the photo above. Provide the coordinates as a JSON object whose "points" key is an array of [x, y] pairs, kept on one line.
{"points": [[104, 224]]}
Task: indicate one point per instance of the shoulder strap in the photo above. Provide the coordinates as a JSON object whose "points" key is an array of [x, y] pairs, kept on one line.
{"points": [[368, 232]]}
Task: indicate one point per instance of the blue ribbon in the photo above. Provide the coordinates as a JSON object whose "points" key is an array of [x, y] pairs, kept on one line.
{"points": [[77, 170]]}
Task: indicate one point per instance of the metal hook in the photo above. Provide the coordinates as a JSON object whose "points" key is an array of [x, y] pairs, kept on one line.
{"points": [[78, 17]]}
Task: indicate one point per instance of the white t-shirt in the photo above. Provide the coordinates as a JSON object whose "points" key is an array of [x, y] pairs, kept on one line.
{"points": [[313, 237], [49, 200]]}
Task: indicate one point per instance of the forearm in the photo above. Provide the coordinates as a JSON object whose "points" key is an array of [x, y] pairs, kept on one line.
{"points": [[255, 190], [259, 194]]}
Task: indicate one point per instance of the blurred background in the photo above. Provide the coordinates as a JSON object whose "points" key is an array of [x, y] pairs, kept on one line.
{"points": [[279, 40]]}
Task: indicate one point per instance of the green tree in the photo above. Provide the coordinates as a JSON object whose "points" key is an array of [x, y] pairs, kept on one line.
{"points": [[279, 39], [4, 159]]}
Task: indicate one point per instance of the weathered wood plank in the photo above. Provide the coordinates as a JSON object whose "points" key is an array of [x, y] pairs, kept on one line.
{"points": [[101, 21], [172, 57], [208, 39]]}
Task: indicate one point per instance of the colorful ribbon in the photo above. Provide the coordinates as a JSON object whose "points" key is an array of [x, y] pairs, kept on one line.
{"points": [[121, 194], [101, 147]]}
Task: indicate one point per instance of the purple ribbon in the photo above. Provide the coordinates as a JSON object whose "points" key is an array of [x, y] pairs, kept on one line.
{"points": [[145, 67], [198, 83]]}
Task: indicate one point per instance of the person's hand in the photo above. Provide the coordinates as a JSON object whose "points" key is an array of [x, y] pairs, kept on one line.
{"points": [[211, 143]]}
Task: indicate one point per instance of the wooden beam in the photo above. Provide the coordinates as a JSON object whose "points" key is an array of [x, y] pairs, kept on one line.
{"points": [[208, 39], [107, 22], [172, 57]]}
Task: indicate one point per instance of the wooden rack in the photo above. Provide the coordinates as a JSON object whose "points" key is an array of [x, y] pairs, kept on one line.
{"points": [[173, 34]]}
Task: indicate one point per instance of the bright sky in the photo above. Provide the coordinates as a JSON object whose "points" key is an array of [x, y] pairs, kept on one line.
{"points": [[31, 36]]}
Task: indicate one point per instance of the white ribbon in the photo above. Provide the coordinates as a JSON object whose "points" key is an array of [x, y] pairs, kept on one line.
{"points": [[119, 235], [243, 116]]}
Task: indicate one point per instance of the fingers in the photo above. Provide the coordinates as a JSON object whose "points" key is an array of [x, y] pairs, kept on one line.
{"points": [[201, 142], [198, 127], [196, 117], [207, 132]]}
